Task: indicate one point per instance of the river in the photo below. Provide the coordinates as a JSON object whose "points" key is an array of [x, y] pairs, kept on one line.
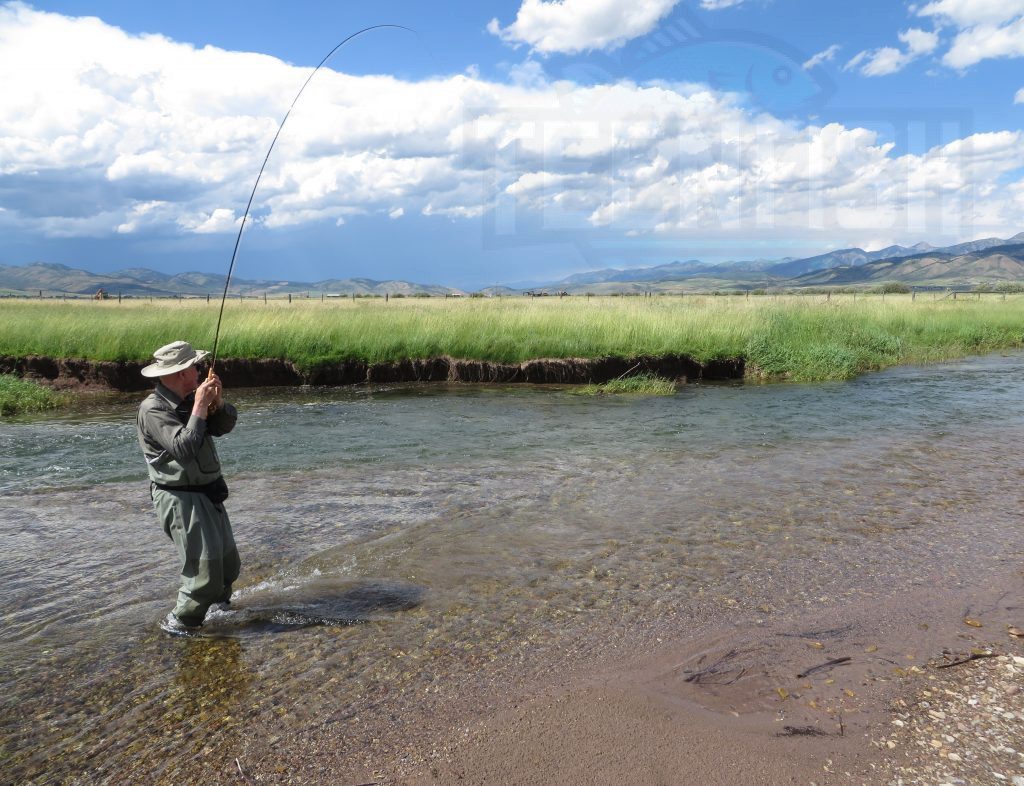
{"points": [[476, 539]]}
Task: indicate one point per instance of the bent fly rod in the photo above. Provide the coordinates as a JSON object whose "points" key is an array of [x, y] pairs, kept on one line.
{"points": [[245, 215]]}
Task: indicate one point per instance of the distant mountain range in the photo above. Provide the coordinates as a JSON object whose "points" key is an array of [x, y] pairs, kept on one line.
{"points": [[51, 278], [964, 265], [938, 267]]}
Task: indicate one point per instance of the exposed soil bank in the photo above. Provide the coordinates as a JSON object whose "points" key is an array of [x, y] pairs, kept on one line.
{"points": [[71, 373]]}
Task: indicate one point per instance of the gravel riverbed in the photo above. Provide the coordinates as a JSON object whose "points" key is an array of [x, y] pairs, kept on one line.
{"points": [[964, 725]]}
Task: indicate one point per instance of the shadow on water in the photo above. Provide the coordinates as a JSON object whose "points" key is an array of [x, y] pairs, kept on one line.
{"points": [[322, 601]]}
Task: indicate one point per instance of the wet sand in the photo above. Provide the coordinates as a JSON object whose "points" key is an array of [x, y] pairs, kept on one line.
{"points": [[730, 707], [768, 698]]}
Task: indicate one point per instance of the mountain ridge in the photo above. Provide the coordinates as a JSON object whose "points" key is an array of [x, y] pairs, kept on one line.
{"points": [[962, 264]]}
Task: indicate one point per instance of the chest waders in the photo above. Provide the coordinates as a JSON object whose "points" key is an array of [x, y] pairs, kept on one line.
{"points": [[200, 530]]}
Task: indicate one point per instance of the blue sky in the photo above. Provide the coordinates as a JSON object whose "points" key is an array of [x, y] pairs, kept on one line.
{"points": [[504, 141]]}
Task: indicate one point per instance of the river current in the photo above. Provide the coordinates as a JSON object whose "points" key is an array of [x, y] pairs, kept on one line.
{"points": [[463, 538]]}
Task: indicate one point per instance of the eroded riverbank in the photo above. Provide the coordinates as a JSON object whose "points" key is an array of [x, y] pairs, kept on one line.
{"points": [[125, 376]]}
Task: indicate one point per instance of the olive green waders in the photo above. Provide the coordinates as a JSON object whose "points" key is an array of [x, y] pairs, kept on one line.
{"points": [[207, 556]]}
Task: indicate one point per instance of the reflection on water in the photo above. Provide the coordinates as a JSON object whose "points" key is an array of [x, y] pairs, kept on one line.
{"points": [[472, 533]]}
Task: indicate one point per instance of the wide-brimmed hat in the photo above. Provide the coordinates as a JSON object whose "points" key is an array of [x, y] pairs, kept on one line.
{"points": [[173, 357]]}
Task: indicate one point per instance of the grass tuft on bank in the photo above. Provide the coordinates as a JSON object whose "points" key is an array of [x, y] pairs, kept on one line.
{"points": [[639, 385], [18, 396], [801, 338]]}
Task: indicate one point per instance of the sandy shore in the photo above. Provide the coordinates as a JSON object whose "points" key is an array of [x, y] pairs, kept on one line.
{"points": [[838, 698]]}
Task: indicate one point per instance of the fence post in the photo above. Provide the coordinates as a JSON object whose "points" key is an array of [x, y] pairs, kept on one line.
{"points": [[264, 298], [119, 297], [289, 297], [385, 297]]}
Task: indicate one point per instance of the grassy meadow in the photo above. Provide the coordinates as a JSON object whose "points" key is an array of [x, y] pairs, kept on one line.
{"points": [[796, 337]]}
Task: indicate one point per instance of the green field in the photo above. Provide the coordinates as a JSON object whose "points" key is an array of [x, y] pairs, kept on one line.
{"points": [[796, 337]]}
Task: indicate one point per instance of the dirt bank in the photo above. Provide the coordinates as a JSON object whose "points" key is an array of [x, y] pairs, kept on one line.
{"points": [[73, 373]]}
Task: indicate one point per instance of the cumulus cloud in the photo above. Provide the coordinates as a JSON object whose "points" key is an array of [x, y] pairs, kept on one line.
{"points": [[984, 42], [822, 57], [1019, 98], [220, 220], [572, 26], [889, 60], [134, 135], [968, 13], [984, 29]]}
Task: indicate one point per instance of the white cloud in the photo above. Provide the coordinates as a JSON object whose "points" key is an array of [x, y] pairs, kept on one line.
{"points": [[919, 42], [984, 42], [968, 13], [889, 60], [718, 5], [884, 61], [822, 57], [120, 134], [220, 220], [985, 29], [1019, 98], [580, 25]]}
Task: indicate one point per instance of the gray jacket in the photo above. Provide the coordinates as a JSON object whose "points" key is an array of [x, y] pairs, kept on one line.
{"points": [[178, 447]]}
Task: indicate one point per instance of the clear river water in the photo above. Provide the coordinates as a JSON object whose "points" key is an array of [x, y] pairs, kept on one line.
{"points": [[471, 538]]}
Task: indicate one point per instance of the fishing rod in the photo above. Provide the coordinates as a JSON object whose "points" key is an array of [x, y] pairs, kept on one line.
{"points": [[245, 215]]}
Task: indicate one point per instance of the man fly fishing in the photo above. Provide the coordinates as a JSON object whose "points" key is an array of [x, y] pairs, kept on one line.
{"points": [[176, 425]]}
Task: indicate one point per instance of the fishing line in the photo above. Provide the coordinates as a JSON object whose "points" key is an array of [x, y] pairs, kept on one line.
{"points": [[245, 215]]}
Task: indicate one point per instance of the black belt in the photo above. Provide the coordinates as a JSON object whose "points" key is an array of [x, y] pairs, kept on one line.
{"points": [[216, 490]]}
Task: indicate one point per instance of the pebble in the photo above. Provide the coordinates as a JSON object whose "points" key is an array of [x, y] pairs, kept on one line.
{"points": [[982, 703]]}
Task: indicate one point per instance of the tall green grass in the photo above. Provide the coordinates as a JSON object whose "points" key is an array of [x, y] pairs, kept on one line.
{"points": [[800, 338], [21, 395]]}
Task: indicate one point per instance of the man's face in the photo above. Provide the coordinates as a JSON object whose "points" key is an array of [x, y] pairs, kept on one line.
{"points": [[190, 379], [183, 382]]}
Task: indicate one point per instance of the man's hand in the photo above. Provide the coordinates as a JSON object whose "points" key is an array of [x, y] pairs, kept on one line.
{"points": [[209, 397], [219, 401]]}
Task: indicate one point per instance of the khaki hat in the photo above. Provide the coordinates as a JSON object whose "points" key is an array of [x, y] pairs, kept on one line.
{"points": [[173, 358]]}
